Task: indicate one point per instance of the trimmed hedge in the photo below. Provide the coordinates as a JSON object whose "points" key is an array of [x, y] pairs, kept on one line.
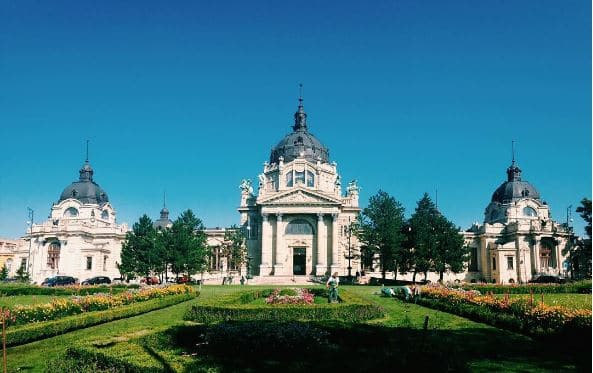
{"points": [[15, 289], [32, 332], [580, 287], [236, 307]]}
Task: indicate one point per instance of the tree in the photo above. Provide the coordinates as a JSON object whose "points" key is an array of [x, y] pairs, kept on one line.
{"points": [[22, 275], [435, 243], [581, 252], [381, 229], [422, 239], [235, 249], [188, 241], [4, 273], [139, 254], [450, 252]]}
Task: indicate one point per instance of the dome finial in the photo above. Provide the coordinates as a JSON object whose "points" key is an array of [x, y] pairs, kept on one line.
{"points": [[86, 172], [513, 172], [300, 117]]}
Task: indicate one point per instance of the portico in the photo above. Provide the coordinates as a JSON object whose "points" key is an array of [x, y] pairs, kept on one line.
{"points": [[297, 219]]}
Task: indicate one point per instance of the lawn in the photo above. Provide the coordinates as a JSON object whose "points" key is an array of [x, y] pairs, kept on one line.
{"points": [[475, 346], [11, 301], [573, 301]]}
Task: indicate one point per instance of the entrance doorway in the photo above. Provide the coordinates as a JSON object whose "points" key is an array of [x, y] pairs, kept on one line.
{"points": [[299, 255]]}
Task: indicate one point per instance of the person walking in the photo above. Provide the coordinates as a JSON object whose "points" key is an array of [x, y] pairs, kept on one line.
{"points": [[332, 284]]}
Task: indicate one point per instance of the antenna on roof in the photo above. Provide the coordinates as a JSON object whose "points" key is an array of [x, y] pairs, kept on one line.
{"points": [[513, 150], [164, 198], [87, 151], [300, 94]]}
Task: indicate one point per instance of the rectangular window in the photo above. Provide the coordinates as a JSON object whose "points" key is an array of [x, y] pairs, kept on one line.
{"points": [[289, 179], [89, 262], [299, 177], [493, 263], [510, 262], [105, 263], [24, 264]]}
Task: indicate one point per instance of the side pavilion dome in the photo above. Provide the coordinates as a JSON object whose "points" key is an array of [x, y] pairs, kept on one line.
{"points": [[514, 188], [85, 189], [300, 143]]}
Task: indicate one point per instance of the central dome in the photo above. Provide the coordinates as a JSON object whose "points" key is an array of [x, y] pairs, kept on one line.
{"points": [[300, 142], [85, 189], [514, 188]]}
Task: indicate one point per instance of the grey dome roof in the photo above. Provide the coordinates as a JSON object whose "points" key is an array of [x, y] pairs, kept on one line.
{"points": [[85, 189], [514, 188], [300, 142]]}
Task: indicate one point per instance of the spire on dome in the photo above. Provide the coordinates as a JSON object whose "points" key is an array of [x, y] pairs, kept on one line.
{"points": [[513, 172], [165, 210], [300, 117], [86, 172]]}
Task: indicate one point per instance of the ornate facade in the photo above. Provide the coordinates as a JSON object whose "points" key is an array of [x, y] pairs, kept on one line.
{"points": [[81, 238], [518, 240], [299, 223]]}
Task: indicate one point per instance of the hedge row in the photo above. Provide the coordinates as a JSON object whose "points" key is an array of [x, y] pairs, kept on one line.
{"points": [[32, 332], [580, 287], [237, 308], [537, 323], [15, 289]]}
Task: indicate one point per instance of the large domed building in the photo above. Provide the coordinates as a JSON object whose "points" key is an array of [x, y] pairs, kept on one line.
{"points": [[298, 222], [518, 239], [81, 238]]}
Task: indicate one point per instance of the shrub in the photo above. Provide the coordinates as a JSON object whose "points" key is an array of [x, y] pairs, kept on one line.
{"points": [[580, 287], [25, 289], [19, 315], [31, 332], [233, 307]]}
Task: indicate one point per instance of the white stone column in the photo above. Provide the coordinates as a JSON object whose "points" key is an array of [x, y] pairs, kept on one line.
{"points": [[335, 264], [266, 247], [280, 249], [321, 267], [536, 248]]}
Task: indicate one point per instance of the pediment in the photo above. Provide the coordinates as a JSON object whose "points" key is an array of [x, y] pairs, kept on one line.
{"points": [[300, 197]]}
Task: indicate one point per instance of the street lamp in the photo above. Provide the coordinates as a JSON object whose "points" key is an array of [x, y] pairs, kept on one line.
{"points": [[348, 230], [31, 215]]}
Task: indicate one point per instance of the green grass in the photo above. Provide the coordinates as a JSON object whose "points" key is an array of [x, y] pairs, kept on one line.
{"points": [[573, 301], [11, 301], [475, 346]]}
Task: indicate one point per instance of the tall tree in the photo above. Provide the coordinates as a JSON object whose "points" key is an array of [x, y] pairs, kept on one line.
{"points": [[189, 244], [581, 252], [422, 236], [450, 252], [235, 249], [381, 229], [138, 253]]}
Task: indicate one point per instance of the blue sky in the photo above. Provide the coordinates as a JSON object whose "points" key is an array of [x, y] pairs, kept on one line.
{"points": [[190, 96]]}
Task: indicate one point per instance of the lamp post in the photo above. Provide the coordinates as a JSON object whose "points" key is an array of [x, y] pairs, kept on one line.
{"points": [[349, 232], [569, 240], [31, 215]]}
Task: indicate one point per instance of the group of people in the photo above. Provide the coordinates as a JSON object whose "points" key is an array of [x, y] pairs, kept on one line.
{"points": [[405, 292]]}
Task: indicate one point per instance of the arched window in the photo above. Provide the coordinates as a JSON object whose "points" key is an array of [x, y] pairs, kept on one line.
{"points": [[53, 255], [310, 179], [299, 177], [529, 211], [105, 215], [71, 212], [289, 179], [299, 226]]}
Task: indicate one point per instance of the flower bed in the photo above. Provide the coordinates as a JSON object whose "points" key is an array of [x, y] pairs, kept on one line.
{"points": [[20, 315], [291, 296], [581, 287], [523, 315], [26, 289]]}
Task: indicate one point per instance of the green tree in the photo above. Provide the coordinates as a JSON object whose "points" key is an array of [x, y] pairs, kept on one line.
{"points": [[580, 255], [422, 238], [234, 247], [4, 273], [139, 254], [450, 252], [381, 230], [22, 275], [188, 241]]}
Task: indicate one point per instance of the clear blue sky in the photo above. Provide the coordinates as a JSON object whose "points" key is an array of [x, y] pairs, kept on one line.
{"points": [[190, 96]]}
